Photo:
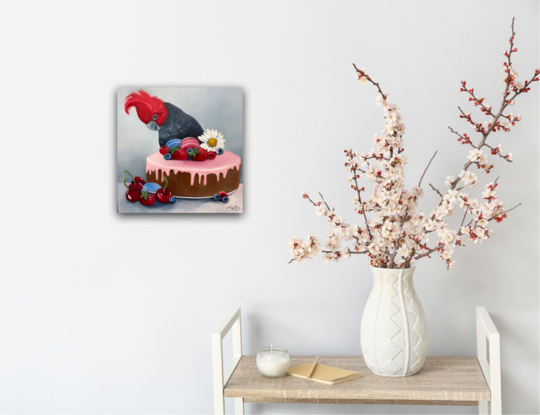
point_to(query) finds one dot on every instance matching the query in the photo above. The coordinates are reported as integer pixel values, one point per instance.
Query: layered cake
(188, 178)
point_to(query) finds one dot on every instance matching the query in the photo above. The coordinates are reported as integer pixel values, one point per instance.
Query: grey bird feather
(178, 125)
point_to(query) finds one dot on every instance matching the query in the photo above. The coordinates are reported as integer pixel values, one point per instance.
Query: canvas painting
(180, 150)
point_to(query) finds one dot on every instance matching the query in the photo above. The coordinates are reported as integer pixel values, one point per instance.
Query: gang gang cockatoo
(169, 120)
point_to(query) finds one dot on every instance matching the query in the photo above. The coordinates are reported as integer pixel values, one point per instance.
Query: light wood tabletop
(442, 381)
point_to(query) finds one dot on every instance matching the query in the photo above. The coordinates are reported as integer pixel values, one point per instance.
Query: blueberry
(220, 151)
(225, 199)
(172, 199)
(167, 156)
(217, 196)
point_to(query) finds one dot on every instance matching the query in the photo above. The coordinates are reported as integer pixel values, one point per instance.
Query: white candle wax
(273, 363)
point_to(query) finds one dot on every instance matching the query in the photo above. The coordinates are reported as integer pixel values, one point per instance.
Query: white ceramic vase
(394, 336)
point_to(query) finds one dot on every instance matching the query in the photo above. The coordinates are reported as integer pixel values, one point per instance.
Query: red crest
(147, 106)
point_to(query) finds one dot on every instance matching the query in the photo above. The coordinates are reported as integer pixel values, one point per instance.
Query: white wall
(102, 313)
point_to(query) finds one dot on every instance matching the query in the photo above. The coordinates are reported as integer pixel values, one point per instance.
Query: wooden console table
(444, 380)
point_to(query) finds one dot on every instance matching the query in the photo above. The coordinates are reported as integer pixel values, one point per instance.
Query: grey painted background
(215, 108)
(104, 313)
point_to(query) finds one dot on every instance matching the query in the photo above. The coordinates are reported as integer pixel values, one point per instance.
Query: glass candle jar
(273, 362)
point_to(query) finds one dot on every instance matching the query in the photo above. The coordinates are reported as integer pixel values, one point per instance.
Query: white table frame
(232, 320)
(486, 332)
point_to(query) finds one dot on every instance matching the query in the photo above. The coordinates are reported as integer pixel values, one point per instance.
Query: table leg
(239, 406)
(483, 407)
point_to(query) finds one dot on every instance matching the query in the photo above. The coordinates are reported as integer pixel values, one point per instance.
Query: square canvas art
(179, 150)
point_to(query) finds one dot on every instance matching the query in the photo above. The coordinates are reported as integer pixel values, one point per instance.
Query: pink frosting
(221, 164)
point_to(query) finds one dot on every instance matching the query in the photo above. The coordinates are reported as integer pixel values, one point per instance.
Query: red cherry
(211, 155)
(163, 195)
(132, 195)
(222, 194)
(136, 187)
(135, 179)
(164, 150)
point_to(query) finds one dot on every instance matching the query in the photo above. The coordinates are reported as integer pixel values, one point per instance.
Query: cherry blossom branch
(306, 196)
(505, 102)
(350, 252)
(420, 182)
(497, 151)
(337, 253)
(503, 213)
(326, 204)
(362, 74)
(396, 235)
(464, 216)
(477, 101)
(430, 251)
(477, 127)
(358, 191)
(464, 139)
(439, 193)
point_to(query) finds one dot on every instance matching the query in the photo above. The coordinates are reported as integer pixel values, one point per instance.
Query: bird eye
(155, 117)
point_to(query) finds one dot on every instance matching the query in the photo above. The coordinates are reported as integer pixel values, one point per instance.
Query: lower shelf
(443, 380)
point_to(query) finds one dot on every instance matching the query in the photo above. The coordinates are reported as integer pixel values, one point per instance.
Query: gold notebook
(324, 374)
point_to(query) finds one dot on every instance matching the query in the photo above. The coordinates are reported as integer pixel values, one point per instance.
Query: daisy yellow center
(212, 142)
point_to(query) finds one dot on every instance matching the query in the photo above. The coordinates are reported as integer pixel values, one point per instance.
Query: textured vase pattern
(394, 336)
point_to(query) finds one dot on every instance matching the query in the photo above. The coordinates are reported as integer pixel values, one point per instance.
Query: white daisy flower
(212, 140)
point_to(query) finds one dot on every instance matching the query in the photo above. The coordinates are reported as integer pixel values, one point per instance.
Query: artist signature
(234, 208)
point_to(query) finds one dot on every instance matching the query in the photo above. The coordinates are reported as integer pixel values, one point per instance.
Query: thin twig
(460, 233)
(440, 194)
(353, 164)
(503, 213)
(504, 104)
(440, 246)
(463, 221)
(362, 73)
(420, 182)
(328, 207)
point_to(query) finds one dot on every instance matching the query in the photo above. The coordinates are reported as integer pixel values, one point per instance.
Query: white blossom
(396, 232)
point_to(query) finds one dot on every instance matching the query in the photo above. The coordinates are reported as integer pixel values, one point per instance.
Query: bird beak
(153, 126)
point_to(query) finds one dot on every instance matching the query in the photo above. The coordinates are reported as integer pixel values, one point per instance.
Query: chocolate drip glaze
(180, 183)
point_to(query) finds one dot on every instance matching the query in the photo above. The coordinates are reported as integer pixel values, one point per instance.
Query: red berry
(134, 192)
(211, 155)
(132, 195)
(222, 194)
(135, 179)
(164, 150)
(135, 186)
(163, 196)
(180, 155)
(147, 199)
(201, 155)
